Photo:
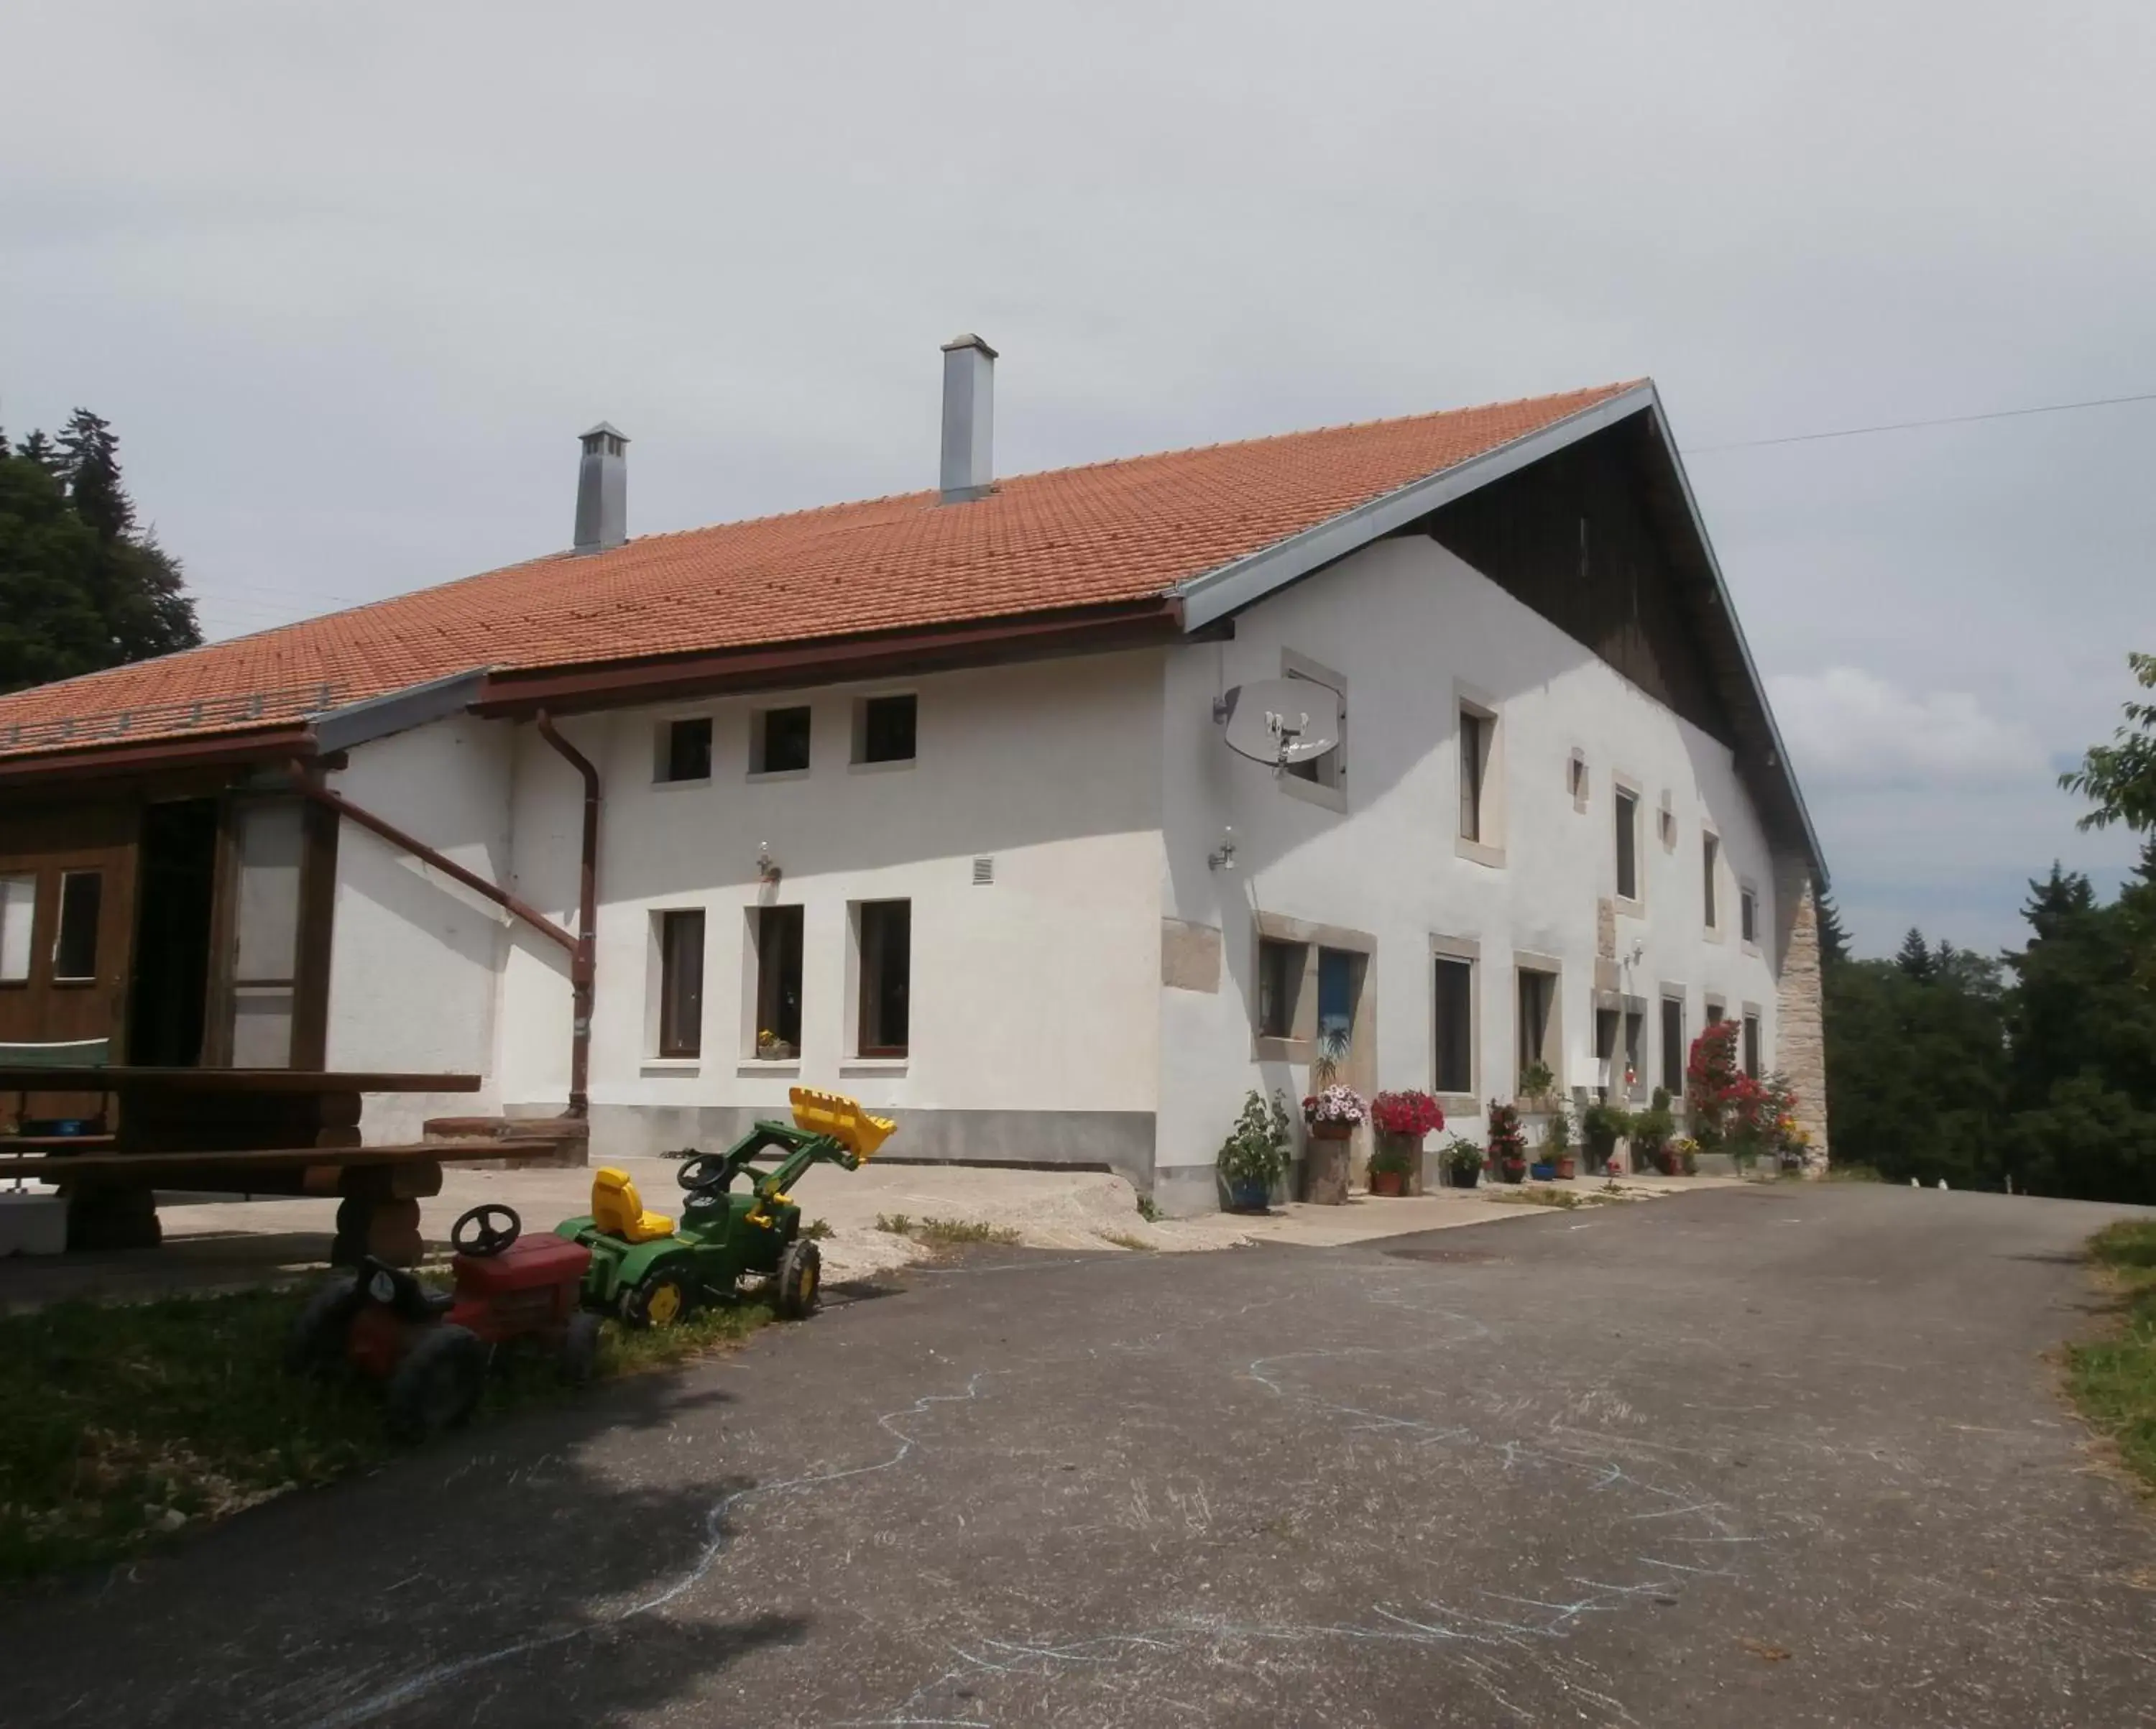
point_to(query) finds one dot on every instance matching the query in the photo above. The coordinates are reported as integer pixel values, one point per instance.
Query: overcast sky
(349, 280)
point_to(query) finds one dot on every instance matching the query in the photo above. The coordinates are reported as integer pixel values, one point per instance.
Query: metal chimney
(969, 419)
(603, 489)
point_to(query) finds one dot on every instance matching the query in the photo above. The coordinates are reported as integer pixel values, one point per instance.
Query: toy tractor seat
(617, 1210)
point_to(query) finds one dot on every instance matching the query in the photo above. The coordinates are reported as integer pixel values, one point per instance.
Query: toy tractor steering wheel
(486, 1231)
(702, 1171)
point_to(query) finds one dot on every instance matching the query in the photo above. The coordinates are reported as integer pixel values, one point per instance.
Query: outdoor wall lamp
(1223, 857)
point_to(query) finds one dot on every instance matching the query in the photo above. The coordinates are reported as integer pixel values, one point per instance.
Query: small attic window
(684, 750)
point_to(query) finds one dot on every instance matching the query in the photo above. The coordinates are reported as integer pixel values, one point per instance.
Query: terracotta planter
(1565, 1167)
(1332, 1131)
(1388, 1182)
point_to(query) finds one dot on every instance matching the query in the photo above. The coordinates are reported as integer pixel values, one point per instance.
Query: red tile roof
(1114, 531)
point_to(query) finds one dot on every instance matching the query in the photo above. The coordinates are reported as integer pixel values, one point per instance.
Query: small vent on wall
(984, 872)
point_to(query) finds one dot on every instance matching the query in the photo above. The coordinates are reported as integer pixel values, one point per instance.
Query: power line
(1856, 432)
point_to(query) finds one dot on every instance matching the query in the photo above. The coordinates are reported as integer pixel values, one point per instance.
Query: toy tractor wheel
(800, 1281)
(438, 1385)
(316, 1345)
(664, 1299)
(580, 1348)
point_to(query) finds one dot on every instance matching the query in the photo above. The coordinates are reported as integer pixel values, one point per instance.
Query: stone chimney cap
(967, 339)
(606, 427)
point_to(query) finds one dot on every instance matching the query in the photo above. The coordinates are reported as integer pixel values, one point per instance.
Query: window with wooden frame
(680, 938)
(884, 931)
(684, 750)
(18, 913)
(74, 942)
(777, 953)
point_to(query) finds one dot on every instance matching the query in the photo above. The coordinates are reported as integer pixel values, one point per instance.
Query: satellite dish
(1280, 721)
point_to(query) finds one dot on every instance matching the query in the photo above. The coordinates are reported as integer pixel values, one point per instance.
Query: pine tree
(1833, 937)
(89, 469)
(1914, 956)
(40, 449)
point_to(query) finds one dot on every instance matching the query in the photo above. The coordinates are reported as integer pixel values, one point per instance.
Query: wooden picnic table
(244, 1131)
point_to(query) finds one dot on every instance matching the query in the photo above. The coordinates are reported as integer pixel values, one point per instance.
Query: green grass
(1536, 1197)
(1852, 1174)
(946, 1233)
(122, 1425)
(2113, 1380)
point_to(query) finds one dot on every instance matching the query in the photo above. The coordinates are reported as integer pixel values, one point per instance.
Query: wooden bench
(380, 1188)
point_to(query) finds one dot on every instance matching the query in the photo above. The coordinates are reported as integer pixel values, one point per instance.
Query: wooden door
(67, 919)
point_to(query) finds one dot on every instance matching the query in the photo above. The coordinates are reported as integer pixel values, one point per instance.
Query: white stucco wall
(1037, 994)
(415, 957)
(1407, 623)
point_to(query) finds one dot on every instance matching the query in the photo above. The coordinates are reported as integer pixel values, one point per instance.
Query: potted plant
(1601, 1128)
(1462, 1160)
(1334, 1114)
(1652, 1130)
(1508, 1142)
(1403, 1120)
(1253, 1157)
(1536, 1084)
(1389, 1165)
(1556, 1149)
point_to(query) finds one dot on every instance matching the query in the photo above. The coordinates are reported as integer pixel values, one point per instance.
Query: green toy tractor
(652, 1272)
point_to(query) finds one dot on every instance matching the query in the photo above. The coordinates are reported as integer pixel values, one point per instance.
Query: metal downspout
(583, 959)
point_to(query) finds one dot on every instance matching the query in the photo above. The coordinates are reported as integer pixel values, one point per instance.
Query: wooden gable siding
(1577, 538)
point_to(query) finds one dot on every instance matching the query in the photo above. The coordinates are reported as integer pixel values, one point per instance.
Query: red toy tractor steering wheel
(477, 1233)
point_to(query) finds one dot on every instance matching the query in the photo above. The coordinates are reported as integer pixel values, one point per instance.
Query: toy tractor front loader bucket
(841, 1119)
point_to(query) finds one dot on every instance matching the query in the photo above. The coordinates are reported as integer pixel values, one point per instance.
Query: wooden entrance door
(67, 905)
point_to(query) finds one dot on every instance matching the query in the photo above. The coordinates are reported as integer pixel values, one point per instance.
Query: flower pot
(1388, 1182)
(1511, 1170)
(1566, 1170)
(1541, 1172)
(1462, 1177)
(1247, 1195)
(1331, 1131)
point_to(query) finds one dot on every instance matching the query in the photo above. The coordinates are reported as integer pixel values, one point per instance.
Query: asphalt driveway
(1760, 1457)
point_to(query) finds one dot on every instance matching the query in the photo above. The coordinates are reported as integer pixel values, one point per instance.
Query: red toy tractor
(433, 1348)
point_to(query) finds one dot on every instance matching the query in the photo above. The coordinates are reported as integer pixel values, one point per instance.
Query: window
(1280, 983)
(1537, 1008)
(1710, 858)
(1628, 845)
(1575, 780)
(1673, 1046)
(779, 741)
(271, 844)
(1751, 1044)
(1628, 1079)
(1667, 825)
(885, 929)
(680, 984)
(883, 729)
(18, 908)
(1715, 1011)
(75, 947)
(777, 982)
(1474, 733)
(1339, 985)
(1605, 1052)
(1331, 769)
(1453, 1020)
(684, 750)
(1747, 915)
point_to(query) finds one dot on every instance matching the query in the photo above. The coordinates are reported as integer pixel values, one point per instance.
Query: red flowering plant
(1508, 1141)
(1411, 1113)
(1710, 1078)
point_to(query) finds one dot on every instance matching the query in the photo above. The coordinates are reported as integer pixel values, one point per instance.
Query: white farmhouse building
(926, 799)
